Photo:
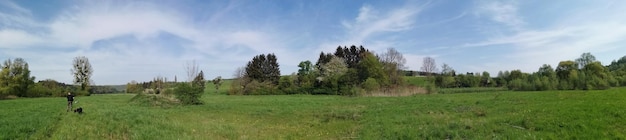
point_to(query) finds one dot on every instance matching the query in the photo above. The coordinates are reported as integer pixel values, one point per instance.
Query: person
(70, 101)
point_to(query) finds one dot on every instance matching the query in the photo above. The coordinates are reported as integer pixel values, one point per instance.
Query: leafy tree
(287, 85)
(547, 71)
(597, 76)
(199, 81)
(548, 77)
(446, 78)
(82, 72)
(334, 68)
(328, 82)
(188, 94)
(370, 67)
(515, 74)
(15, 78)
(585, 58)
(486, 80)
(306, 76)
(393, 62)
(305, 68)
(217, 81)
(618, 70)
(568, 75)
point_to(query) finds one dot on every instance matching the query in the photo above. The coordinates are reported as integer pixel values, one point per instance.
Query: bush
(371, 85)
(188, 95)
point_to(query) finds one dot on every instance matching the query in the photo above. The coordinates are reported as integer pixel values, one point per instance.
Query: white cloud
(502, 12)
(88, 30)
(370, 22)
(12, 38)
(530, 48)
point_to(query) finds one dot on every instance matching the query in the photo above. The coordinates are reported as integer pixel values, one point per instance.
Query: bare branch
(192, 70)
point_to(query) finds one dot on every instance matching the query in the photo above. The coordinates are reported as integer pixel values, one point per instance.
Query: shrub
(187, 94)
(371, 85)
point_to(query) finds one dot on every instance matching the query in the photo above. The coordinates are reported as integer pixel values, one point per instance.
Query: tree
(239, 82)
(15, 78)
(429, 65)
(486, 80)
(192, 69)
(394, 58)
(585, 58)
(217, 81)
(334, 68)
(447, 70)
(331, 73)
(352, 55)
(548, 77)
(597, 76)
(393, 62)
(82, 72)
(370, 67)
(567, 73)
(306, 76)
(199, 81)
(305, 68)
(323, 59)
(190, 93)
(263, 69)
(547, 71)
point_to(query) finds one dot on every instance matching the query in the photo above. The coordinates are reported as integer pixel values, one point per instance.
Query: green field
(493, 115)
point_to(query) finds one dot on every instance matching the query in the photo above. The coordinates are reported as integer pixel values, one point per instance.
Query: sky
(140, 40)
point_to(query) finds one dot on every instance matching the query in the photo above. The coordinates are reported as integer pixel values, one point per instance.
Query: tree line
(16, 81)
(348, 71)
(584, 73)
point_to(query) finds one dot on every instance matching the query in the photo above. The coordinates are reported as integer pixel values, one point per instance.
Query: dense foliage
(585, 73)
(347, 71)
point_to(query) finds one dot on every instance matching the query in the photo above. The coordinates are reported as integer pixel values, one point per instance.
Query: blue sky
(139, 40)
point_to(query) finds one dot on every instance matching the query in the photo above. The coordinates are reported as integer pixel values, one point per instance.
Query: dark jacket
(70, 97)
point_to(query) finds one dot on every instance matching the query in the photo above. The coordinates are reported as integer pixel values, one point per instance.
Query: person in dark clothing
(70, 101)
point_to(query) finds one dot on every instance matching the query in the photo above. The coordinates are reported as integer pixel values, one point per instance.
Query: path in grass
(502, 114)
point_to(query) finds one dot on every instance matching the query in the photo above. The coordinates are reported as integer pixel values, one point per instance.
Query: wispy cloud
(372, 21)
(530, 48)
(91, 29)
(505, 12)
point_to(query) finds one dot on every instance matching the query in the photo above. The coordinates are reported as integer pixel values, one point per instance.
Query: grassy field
(493, 115)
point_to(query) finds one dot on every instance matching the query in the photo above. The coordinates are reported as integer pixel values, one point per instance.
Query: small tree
(217, 82)
(190, 93)
(393, 63)
(82, 72)
(192, 70)
(199, 81)
(429, 66)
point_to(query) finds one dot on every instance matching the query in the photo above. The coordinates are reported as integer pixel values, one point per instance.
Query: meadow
(483, 115)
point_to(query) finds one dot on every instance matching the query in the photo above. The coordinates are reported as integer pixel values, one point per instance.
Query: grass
(485, 115)
(471, 90)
